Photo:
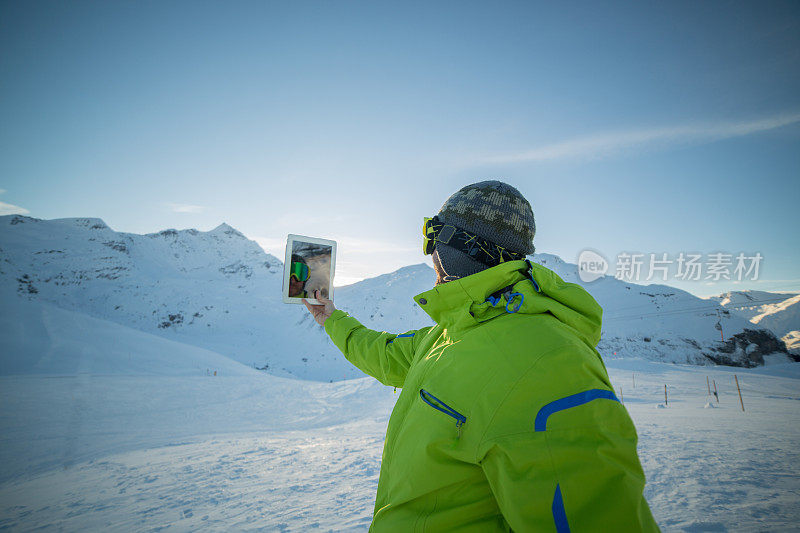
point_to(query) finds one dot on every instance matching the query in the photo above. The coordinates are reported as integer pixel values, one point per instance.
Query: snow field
(223, 453)
(717, 468)
(257, 452)
(288, 482)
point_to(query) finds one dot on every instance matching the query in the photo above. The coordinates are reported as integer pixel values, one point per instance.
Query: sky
(639, 128)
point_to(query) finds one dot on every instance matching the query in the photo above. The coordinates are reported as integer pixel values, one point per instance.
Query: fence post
(740, 391)
(666, 402)
(709, 386)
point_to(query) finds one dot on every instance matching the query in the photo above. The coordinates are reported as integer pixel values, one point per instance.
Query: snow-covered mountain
(385, 302)
(777, 311)
(663, 323)
(750, 303)
(220, 291)
(215, 290)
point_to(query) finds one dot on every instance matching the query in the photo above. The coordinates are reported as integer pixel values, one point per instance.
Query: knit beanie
(492, 210)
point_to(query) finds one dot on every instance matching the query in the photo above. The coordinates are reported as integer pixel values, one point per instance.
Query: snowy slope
(777, 311)
(784, 320)
(40, 338)
(385, 302)
(750, 303)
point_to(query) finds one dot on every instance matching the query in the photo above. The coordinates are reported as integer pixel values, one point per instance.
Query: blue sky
(640, 127)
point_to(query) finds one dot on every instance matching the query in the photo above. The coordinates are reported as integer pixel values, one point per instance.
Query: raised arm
(384, 356)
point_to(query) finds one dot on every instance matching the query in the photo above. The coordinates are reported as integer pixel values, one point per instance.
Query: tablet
(309, 266)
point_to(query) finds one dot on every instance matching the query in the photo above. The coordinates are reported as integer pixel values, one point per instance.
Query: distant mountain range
(215, 290)
(220, 292)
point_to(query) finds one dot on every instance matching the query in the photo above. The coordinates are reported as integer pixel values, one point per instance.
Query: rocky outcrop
(748, 348)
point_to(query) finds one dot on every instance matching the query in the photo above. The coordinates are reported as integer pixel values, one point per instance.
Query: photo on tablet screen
(309, 266)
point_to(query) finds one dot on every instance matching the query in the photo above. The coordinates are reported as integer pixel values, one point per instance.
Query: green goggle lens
(299, 271)
(428, 243)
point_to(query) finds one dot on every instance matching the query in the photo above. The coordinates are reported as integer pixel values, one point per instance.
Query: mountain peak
(13, 220)
(226, 229)
(419, 267)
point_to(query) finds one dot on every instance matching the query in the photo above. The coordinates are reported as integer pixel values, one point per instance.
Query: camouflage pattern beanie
(492, 210)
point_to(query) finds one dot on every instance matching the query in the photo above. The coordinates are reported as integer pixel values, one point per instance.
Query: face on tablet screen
(310, 270)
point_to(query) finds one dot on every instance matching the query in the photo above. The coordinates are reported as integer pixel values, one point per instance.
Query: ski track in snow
(145, 453)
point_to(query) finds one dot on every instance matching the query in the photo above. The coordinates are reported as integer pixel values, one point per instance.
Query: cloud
(9, 209)
(186, 208)
(2, 191)
(610, 143)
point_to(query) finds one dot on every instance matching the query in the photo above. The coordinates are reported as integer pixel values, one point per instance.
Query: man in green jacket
(507, 420)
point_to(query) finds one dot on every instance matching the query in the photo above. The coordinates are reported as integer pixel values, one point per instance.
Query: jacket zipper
(439, 405)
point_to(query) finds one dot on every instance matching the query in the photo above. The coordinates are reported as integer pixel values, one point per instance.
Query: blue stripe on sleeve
(399, 336)
(540, 423)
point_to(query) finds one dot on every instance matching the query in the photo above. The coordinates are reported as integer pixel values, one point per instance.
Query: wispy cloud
(186, 208)
(9, 209)
(609, 143)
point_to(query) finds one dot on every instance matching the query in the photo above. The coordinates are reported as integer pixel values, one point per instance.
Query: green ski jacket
(507, 419)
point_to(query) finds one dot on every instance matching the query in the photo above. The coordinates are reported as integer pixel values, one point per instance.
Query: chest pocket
(439, 405)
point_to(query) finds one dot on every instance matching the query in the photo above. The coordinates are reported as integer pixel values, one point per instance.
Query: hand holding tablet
(320, 312)
(309, 267)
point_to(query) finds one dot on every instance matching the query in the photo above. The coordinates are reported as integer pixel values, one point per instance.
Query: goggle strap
(481, 250)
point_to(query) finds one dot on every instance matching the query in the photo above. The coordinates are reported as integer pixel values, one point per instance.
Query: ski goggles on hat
(434, 231)
(299, 271)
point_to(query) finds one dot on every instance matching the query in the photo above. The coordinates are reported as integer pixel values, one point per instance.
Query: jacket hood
(534, 289)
